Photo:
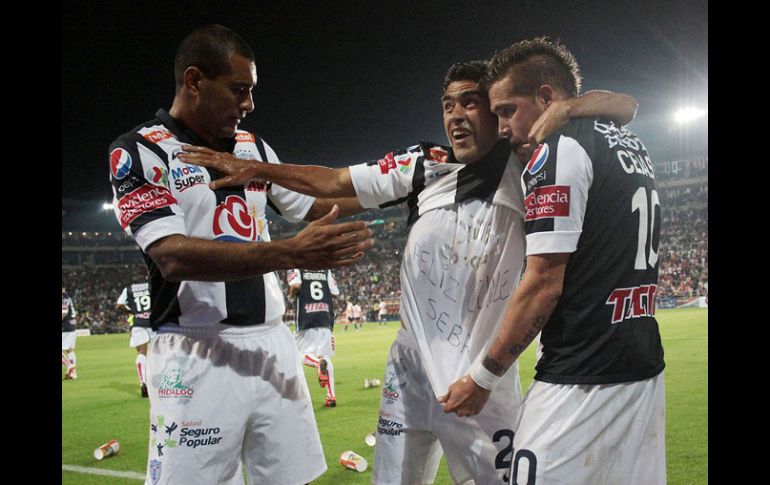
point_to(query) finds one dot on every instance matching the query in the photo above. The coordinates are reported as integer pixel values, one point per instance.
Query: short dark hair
(536, 62)
(465, 71)
(209, 49)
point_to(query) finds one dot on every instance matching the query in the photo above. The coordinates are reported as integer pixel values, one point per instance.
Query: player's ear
(545, 95)
(192, 78)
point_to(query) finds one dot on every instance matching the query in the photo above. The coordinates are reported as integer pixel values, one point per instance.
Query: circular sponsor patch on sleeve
(120, 163)
(538, 159)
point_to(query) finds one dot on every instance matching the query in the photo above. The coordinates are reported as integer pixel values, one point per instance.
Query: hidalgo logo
(538, 159)
(233, 222)
(171, 385)
(120, 163)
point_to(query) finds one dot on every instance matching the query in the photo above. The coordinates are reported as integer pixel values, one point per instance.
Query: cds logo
(157, 175)
(538, 159)
(404, 164)
(120, 163)
(232, 221)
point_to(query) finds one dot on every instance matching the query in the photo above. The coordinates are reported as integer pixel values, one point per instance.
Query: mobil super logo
(538, 159)
(120, 163)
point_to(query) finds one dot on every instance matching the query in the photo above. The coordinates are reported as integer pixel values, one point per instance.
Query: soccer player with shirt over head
(463, 256)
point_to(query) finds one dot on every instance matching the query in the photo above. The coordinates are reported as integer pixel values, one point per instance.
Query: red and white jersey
(157, 195)
(464, 252)
(348, 313)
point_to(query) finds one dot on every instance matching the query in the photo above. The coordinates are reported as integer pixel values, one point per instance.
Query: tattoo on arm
(537, 325)
(494, 366)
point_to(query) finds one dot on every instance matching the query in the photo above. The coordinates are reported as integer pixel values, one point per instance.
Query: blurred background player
(382, 313)
(358, 322)
(315, 323)
(68, 336)
(347, 315)
(135, 299)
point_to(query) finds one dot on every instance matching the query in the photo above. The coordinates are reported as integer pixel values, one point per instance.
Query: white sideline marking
(99, 471)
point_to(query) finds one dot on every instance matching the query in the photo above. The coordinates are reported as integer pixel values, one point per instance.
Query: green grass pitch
(104, 402)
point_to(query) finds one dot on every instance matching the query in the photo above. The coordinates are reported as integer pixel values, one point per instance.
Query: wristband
(484, 378)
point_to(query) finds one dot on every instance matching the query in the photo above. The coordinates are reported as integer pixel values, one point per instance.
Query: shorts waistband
(221, 330)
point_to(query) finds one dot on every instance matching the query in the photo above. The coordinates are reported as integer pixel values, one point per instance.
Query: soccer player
(463, 257)
(382, 313)
(68, 337)
(135, 300)
(315, 323)
(358, 323)
(348, 314)
(595, 412)
(224, 377)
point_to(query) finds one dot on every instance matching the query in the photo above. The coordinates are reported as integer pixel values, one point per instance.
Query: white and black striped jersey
(590, 191)
(464, 251)
(156, 195)
(314, 302)
(137, 298)
(68, 309)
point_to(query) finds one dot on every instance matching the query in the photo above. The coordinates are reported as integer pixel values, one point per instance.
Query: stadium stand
(98, 258)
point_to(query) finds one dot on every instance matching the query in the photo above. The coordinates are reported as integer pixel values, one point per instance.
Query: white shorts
(220, 395)
(315, 341)
(140, 335)
(68, 340)
(599, 434)
(413, 429)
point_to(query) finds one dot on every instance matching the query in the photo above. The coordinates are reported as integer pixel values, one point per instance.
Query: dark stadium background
(346, 82)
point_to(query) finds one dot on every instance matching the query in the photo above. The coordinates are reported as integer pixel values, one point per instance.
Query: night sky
(346, 82)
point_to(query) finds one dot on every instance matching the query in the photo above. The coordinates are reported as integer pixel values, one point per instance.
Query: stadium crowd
(682, 256)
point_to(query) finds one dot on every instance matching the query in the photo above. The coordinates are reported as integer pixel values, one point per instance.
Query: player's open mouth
(459, 134)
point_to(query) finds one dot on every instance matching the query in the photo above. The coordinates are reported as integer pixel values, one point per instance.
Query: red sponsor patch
(158, 136)
(388, 163)
(245, 137)
(437, 154)
(146, 198)
(548, 201)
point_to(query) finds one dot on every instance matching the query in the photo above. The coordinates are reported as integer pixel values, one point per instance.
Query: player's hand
(324, 244)
(553, 118)
(464, 397)
(237, 171)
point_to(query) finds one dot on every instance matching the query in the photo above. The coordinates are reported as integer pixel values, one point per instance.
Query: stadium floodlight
(687, 115)
(106, 206)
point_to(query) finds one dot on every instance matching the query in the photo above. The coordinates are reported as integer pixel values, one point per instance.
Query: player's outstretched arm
(525, 316)
(617, 107)
(312, 180)
(322, 244)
